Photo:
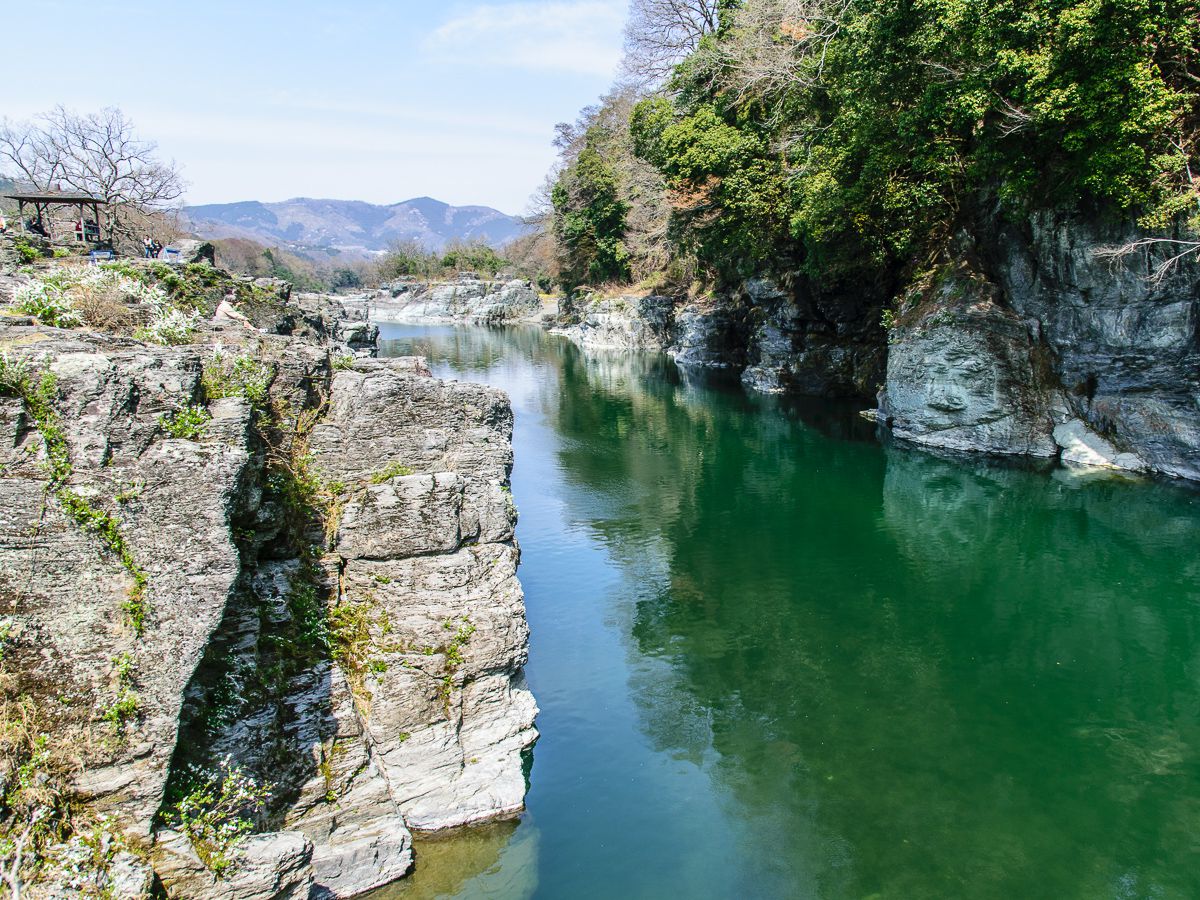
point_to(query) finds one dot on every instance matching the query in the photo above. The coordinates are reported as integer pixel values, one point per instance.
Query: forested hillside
(850, 138)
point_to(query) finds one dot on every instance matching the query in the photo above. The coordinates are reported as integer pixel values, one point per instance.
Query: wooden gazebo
(43, 201)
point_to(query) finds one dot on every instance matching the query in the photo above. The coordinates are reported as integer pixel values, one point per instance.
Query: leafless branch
(94, 153)
(1172, 252)
(779, 45)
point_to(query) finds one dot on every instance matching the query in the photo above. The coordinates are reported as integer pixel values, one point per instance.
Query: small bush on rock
(226, 375)
(189, 423)
(216, 814)
(169, 327)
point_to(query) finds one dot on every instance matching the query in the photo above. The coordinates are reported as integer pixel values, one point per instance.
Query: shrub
(27, 251)
(169, 327)
(392, 470)
(215, 813)
(125, 705)
(237, 376)
(189, 423)
(50, 306)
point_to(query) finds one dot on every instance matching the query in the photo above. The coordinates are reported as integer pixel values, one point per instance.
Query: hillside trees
(843, 136)
(609, 209)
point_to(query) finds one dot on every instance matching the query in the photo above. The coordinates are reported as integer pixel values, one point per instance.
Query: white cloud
(582, 37)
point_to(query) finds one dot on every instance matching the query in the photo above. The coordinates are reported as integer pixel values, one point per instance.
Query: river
(777, 656)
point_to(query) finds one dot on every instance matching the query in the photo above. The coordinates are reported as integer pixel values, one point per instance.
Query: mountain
(352, 226)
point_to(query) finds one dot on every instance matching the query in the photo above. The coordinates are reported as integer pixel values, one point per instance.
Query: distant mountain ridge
(353, 226)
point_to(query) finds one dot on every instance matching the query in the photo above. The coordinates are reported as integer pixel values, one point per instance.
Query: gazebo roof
(54, 197)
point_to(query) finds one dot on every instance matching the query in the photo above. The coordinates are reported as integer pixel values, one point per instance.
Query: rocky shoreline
(1025, 339)
(258, 559)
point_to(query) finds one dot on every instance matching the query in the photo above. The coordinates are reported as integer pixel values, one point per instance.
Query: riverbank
(255, 580)
(1024, 339)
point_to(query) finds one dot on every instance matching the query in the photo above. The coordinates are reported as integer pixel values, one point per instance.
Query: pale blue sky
(362, 100)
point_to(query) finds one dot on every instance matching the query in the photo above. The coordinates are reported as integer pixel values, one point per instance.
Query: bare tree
(779, 45)
(95, 153)
(660, 33)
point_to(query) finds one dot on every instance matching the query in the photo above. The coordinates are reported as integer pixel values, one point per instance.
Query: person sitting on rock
(227, 311)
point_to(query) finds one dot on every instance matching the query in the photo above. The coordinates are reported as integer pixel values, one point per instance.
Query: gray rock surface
(644, 323)
(194, 251)
(1038, 344)
(1083, 447)
(433, 554)
(468, 299)
(964, 373)
(375, 689)
(265, 867)
(1126, 346)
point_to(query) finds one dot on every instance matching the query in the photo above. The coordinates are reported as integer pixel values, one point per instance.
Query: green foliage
(343, 363)
(394, 469)
(189, 423)
(345, 278)
(452, 652)
(473, 257)
(731, 191)
(49, 305)
(61, 253)
(216, 813)
(125, 705)
(169, 327)
(409, 259)
(357, 643)
(868, 150)
(589, 222)
(242, 375)
(26, 250)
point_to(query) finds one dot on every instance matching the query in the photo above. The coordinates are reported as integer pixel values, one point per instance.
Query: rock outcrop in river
(467, 299)
(252, 581)
(1031, 341)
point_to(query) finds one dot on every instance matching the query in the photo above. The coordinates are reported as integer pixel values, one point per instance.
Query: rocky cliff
(780, 338)
(253, 582)
(1027, 338)
(1031, 339)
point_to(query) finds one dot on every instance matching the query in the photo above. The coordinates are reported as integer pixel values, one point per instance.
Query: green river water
(777, 656)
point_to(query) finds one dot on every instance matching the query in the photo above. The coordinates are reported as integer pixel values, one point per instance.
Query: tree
(95, 153)
(661, 33)
(589, 222)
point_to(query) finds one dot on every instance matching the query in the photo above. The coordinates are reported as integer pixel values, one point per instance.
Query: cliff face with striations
(468, 299)
(1032, 342)
(1027, 339)
(292, 611)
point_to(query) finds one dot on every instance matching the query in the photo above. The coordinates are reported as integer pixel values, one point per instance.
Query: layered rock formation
(1033, 341)
(311, 587)
(469, 299)
(779, 339)
(1028, 339)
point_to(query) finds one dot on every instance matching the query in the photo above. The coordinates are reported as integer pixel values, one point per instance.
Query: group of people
(151, 248)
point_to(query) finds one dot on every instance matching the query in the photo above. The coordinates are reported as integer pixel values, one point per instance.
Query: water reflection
(484, 861)
(777, 658)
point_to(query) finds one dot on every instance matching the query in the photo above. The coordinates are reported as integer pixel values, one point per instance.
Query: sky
(357, 100)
